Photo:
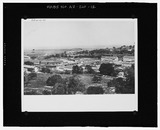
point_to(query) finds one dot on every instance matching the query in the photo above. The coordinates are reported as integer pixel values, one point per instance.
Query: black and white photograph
(80, 64)
(79, 57)
(85, 56)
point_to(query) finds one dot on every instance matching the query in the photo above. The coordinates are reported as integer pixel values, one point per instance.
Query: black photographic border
(146, 13)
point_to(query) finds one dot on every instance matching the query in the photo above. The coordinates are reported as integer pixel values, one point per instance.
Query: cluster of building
(125, 61)
(61, 64)
(66, 64)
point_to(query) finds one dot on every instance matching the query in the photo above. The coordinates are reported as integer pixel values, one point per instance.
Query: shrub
(30, 92)
(51, 81)
(123, 86)
(89, 69)
(59, 88)
(28, 63)
(75, 85)
(96, 79)
(67, 72)
(95, 90)
(33, 57)
(46, 92)
(46, 70)
(110, 90)
(32, 76)
(77, 70)
(106, 69)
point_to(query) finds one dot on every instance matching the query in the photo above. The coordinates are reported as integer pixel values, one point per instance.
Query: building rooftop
(131, 57)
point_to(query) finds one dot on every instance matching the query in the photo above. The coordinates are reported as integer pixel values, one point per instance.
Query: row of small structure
(63, 64)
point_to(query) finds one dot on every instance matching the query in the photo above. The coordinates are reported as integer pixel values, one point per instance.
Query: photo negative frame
(146, 113)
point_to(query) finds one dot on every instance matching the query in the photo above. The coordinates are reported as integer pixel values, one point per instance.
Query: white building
(109, 59)
(36, 62)
(96, 68)
(27, 58)
(128, 59)
(60, 68)
(120, 75)
(118, 62)
(29, 68)
(69, 67)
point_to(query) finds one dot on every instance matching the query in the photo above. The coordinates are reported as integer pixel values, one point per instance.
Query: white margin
(63, 103)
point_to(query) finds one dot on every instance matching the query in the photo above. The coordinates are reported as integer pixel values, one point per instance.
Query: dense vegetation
(28, 63)
(124, 85)
(76, 84)
(77, 69)
(106, 69)
(97, 53)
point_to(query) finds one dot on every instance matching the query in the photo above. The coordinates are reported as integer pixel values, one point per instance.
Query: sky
(77, 33)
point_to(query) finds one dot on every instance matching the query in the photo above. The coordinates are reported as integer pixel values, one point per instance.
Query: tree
(28, 63)
(49, 56)
(32, 76)
(115, 73)
(46, 70)
(33, 57)
(67, 72)
(129, 74)
(77, 70)
(96, 79)
(80, 70)
(89, 69)
(59, 88)
(106, 69)
(51, 81)
(74, 85)
(124, 86)
(57, 55)
(118, 83)
(46, 92)
(95, 90)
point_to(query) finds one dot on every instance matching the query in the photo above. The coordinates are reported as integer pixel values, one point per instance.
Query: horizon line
(98, 47)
